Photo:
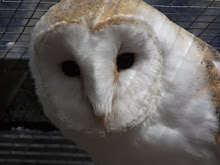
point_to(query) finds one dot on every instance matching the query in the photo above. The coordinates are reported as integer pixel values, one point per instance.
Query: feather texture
(163, 109)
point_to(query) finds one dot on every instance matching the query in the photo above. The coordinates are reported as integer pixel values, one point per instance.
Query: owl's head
(96, 64)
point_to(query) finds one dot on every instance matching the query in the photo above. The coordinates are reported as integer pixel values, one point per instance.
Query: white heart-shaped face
(108, 93)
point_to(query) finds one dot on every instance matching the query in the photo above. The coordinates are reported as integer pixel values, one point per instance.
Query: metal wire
(18, 17)
(26, 147)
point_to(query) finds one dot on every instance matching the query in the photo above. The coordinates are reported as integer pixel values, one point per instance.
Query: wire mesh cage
(18, 17)
(18, 103)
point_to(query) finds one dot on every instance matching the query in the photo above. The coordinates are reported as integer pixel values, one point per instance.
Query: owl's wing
(182, 41)
(211, 61)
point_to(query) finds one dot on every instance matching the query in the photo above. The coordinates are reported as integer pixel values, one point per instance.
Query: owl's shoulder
(211, 62)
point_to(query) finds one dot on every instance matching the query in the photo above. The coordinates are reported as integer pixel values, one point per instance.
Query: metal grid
(18, 17)
(27, 147)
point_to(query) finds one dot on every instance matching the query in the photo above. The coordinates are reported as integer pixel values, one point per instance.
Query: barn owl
(127, 84)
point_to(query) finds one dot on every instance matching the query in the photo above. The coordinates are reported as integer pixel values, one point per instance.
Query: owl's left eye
(70, 68)
(125, 61)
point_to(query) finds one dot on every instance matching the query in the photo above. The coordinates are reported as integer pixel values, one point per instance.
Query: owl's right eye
(70, 68)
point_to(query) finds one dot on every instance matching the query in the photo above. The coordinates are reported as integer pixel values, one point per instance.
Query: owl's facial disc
(97, 81)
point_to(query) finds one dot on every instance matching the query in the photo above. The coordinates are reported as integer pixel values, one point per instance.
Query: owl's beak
(98, 87)
(101, 114)
(101, 110)
(100, 101)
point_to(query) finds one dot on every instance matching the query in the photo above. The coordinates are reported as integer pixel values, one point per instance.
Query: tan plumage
(211, 61)
(212, 64)
(95, 14)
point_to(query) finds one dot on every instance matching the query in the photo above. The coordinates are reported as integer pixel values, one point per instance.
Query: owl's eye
(70, 68)
(125, 61)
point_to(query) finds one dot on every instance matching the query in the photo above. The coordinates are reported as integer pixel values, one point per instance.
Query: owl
(126, 84)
